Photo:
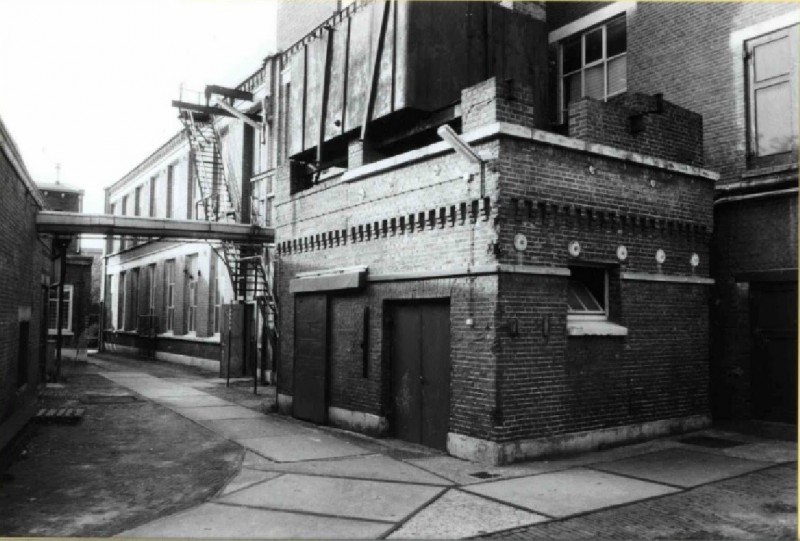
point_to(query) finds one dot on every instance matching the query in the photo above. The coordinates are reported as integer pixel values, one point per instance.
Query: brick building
(549, 294)
(557, 287)
(170, 299)
(25, 269)
(736, 64)
(79, 312)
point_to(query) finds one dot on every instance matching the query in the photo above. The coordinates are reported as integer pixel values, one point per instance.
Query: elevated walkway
(73, 223)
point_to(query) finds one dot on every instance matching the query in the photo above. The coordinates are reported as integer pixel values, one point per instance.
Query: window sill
(595, 328)
(53, 332)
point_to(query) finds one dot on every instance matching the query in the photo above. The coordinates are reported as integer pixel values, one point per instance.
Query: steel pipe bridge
(75, 223)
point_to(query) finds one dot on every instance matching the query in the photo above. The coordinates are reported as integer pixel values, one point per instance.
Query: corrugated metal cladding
(430, 51)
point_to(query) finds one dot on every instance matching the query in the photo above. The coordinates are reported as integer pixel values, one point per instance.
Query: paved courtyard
(300, 481)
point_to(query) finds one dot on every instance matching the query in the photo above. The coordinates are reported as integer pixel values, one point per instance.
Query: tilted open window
(588, 303)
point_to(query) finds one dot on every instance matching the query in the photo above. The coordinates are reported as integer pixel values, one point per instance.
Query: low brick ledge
(520, 132)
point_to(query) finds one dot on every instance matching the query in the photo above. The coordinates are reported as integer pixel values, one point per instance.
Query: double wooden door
(420, 366)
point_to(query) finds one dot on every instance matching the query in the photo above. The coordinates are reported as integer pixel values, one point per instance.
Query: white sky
(88, 83)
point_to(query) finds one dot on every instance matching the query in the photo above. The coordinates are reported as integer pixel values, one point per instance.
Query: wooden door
(310, 400)
(420, 362)
(773, 317)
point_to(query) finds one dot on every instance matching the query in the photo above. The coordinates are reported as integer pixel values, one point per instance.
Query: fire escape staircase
(220, 201)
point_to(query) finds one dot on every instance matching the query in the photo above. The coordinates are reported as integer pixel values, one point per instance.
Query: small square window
(588, 292)
(588, 301)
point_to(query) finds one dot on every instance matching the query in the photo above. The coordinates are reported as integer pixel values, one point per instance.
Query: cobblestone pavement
(759, 505)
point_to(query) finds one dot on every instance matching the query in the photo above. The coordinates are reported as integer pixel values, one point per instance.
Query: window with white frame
(66, 307)
(269, 199)
(217, 314)
(594, 63)
(169, 292)
(170, 187)
(260, 153)
(587, 293)
(772, 84)
(122, 301)
(151, 293)
(133, 321)
(191, 285)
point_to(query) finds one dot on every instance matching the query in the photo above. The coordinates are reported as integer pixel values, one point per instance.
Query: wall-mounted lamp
(459, 145)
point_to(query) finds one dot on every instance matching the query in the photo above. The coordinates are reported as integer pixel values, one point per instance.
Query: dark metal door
(310, 401)
(773, 316)
(421, 372)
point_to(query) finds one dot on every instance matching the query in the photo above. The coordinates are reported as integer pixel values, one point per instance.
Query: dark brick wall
(553, 197)
(632, 122)
(555, 384)
(23, 262)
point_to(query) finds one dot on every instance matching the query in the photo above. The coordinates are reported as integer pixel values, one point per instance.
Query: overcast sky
(88, 83)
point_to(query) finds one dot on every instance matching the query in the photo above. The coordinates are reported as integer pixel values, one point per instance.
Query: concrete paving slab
(682, 467)
(205, 413)
(254, 461)
(772, 451)
(463, 472)
(196, 383)
(239, 429)
(564, 493)
(372, 467)
(224, 521)
(348, 498)
(192, 401)
(158, 392)
(124, 374)
(456, 515)
(301, 447)
(247, 477)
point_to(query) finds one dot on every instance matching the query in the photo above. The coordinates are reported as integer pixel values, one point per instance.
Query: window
(587, 295)
(588, 303)
(191, 286)
(217, 314)
(112, 209)
(123, 241)
(133, 321)
(151, 293)
(170, 182)
(260, 162)
(169, 301)
(772, 84)
(270, 200)
(152, 209)
(137, 201)
(66, 306)
(594, 64)
(122, 304)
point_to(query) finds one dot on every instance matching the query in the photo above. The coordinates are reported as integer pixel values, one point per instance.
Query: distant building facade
(167, 299)
(24, 292)
(79, 312)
